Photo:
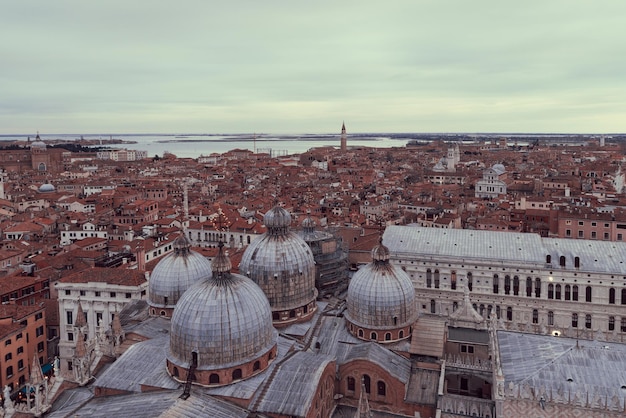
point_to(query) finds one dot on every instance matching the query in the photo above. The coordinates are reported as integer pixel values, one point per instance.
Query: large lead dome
(381, 300)
(173, 275)
(224, 325)
(282, 264)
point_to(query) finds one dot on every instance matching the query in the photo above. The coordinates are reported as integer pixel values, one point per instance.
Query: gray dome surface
(281, 263)
(46, 187)
(378, 292)
(175, 273)
(226, 320)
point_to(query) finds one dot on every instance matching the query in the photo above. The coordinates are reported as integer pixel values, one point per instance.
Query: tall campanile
(344, 145)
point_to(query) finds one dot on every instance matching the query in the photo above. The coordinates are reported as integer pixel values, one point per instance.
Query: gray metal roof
(245, 389)
(509, 247)
(226, 321)
(294, 385)
(142, 364)
(396, 365)
(199, 404)
(564, 365)
(136, 405)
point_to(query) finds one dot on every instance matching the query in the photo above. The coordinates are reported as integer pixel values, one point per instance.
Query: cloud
(303, 66)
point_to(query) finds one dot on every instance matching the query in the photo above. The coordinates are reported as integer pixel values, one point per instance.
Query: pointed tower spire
(80, 322)
(344, 140)
(36, 374)
(363, 409)
(81, 349)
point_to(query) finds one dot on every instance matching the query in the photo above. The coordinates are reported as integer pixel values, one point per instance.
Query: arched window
(577, 262)
(256, 366)
(175, 371)
(550, 318)
(214, 379)
(432, 306)
(568, 292)
(470, 280)
(351, 383)
(509, 313)
(437, 282)
(429, 278)
(562, 261)
(360, 333)
(611, 296)
(575, 292)
(41, 167)
(498, 313)
(535, 316)
(382, 388)
(574, 320)
(623, 296)
(588, 294)
(162, 313)
(453, 280)
(401, 334)
(529, 286)
(507, 285)
(557, 294)
(387, 336)
(537, 287)
(496, 284)
(482, 309)
(548, 259)
(611, 323)
(367, 383)
(550, 291)
(270, 355)
(436, 276)
(237, 374)
(515, 285)
(588, 321)
(455, 306)
(373, 336)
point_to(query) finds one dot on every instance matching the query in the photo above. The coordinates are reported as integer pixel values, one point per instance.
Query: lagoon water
(194, 145)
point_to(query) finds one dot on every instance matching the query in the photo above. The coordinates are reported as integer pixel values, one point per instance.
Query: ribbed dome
(308, 224)
(281, 263)
(226, 320)
(175, 273)
(380, 295)
(277, 220)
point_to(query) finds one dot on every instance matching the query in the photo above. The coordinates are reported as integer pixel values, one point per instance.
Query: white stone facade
(100, 302)
(581, 293)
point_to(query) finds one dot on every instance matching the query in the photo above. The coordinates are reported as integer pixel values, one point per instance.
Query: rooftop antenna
(185, 203)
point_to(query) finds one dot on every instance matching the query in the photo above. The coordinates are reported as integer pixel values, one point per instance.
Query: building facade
(533, 284)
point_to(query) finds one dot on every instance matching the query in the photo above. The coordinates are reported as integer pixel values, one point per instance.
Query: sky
(272, 66)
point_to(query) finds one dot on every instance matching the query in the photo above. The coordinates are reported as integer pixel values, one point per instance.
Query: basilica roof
(176, 272)
(516, 247)
(281, 263)
(381, 295)
(225, 319)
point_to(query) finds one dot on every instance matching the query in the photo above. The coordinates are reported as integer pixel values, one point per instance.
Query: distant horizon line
(468, 133)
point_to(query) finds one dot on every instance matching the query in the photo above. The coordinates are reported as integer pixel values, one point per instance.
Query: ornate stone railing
(468, 362)
(458, 405)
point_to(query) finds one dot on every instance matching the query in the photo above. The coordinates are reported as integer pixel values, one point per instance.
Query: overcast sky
(305, 66)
